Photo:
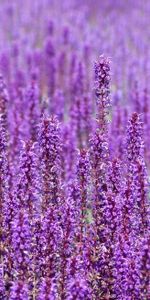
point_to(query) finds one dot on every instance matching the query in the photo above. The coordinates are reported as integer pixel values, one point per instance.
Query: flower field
(74, 150)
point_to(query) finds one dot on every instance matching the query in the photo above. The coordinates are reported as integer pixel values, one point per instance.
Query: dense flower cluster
(74, 150)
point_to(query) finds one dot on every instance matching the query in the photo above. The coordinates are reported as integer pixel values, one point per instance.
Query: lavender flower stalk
(50, 153)
(102, 91)
(51, 202)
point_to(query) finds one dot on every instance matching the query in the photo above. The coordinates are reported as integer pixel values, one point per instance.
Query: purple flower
(32, 115)
(2, 284)
(137, 181)
(143, 259)
(4, 101)
(50, 154)
(21, 245)
(102, 91)
(69, 153)
(19, 291)
(78, 289)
